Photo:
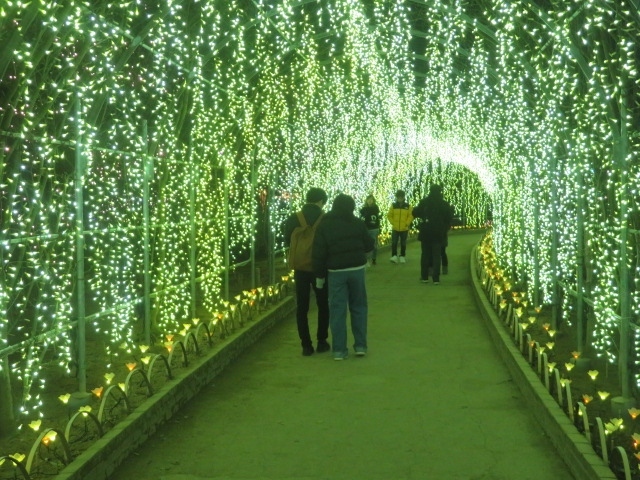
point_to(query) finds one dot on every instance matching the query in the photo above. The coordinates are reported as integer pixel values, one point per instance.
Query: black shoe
(307, 351)
(323, 347)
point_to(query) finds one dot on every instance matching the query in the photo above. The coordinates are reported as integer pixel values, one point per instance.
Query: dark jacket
(436, 215)
(311, 213)
(340, 242)
(371, 216)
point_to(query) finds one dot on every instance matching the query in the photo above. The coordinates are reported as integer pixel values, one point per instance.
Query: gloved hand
(319, 282)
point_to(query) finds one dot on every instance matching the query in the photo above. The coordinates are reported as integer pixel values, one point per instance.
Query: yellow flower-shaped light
(550, 345)
(551, 332)
(131, 365)
(575, 355)
(143, 348)
(519, 311)
(524, 325)
(569, 366)
(633, 413)
(182, 332)
(35, 425)
(108, 377)
(168, 346)
(186, 326)
(565, 381)
(525, 303)
(546, 326)
(195, 321)
(85, 409)
(146, 359)
(586, 398)
(50, 437)
(169, 336)
(541, 350)
(593, 374)
(97, 391)
(551, 366)
(122, 386)
(532, 319)
(538, 309)
(613, 425)
(603, 395)
(19, 456)
(285, 278)
(503, 304)
(65, 398)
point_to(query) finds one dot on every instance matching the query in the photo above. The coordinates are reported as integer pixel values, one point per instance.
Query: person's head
(343, 205)
(400, 195)
(435, 190)
(370, 200)
(317, 196)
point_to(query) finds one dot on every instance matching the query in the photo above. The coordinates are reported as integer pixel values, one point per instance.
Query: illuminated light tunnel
(145, 143)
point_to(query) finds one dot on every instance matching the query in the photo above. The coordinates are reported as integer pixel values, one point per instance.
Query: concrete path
(431, 400)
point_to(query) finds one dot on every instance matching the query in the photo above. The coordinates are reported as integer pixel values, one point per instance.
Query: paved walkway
(431, 400)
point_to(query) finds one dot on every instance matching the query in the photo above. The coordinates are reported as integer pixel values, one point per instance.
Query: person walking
(370, 214)
(400, 216)
(311, 216)
(339, 254)
(436, 215)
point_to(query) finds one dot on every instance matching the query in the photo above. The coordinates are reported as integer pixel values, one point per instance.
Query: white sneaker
(403, 260)
(394, 259)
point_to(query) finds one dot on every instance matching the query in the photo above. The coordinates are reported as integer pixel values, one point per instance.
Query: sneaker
(307, 350)
(403, 260)
(340, 357)
(436, 283)
(394, 259)
(360, 353)
(323, 347)
(424, 280)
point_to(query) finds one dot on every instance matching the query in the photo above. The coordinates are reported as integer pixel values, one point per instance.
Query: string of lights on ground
(143, 142)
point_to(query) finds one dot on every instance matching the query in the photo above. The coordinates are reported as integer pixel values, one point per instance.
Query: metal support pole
(193, 183)
(271, 241)
(254, 194)
(555, 296)
(148, 176)
(225, 243)
(580, 267)
(623, 267)
(79, 197)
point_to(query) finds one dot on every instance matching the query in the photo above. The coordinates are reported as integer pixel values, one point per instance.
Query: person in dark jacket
(436, 215)
(339, 254)
(305, 281)
(370, 214)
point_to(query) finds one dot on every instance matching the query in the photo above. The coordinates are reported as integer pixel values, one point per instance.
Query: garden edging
(572, 446)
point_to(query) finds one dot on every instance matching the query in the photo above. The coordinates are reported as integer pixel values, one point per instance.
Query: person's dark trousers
(399, 237)
(305, 282)
(445, 259)
(430, 260)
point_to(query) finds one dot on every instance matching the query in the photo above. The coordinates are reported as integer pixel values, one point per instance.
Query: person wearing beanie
(436, 215)
(339, 254)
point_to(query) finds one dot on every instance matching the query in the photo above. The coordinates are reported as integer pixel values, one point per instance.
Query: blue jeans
(347, 290)
(373, 233)
(399, 236)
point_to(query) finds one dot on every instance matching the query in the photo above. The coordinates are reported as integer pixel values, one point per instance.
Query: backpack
(301, 244)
